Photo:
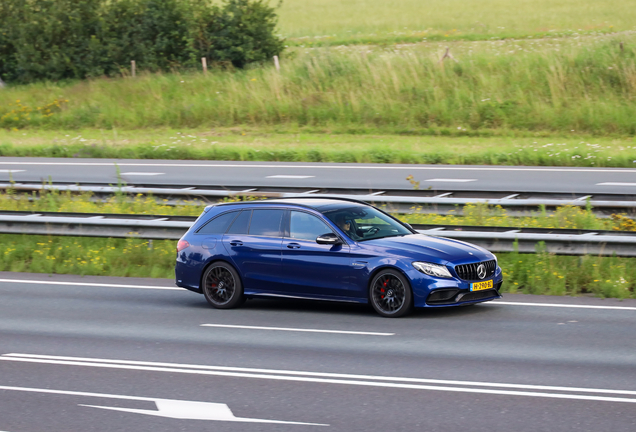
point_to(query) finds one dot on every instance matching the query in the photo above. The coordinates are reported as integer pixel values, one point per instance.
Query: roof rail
(299, 196)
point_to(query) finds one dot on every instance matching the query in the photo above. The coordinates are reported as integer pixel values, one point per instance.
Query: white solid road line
(297, 329)
(142, 173)
(37, 282)
(10, 171)
(320, 374)
(91, 284)
(615, 184)
(171, 408)
(564, 305)
(357, 167)
(451, 180)
(354, 382)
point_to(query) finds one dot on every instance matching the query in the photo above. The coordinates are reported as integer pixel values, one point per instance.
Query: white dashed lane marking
(451, 180)
(297, 329)
(142, 173)
(290, 176)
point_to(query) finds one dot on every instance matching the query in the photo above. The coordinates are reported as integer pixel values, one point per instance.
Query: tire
(222, 286)
(390, 294)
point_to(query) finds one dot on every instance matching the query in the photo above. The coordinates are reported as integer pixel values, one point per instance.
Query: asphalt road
(133, 355)
(314, 175)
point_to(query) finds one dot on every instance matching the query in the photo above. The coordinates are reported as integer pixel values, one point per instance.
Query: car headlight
(432, 269)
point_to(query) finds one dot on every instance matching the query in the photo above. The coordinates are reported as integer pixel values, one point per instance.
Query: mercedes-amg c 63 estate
(329, 249)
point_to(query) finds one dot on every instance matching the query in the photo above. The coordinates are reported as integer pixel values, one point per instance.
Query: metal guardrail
(398, 202)
(496, 239)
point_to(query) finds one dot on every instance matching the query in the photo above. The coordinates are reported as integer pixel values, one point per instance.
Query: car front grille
(469, 271)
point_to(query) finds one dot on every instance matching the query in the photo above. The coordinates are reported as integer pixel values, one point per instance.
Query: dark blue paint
(285, 266)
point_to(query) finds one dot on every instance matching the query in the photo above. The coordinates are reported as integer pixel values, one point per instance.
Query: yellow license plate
(478, 286)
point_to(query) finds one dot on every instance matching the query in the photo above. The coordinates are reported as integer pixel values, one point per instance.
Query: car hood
(428, 248)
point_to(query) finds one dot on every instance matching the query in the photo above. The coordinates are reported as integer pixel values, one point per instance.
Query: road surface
(105, 354)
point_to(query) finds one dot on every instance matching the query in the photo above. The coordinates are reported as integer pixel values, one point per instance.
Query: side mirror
(328, 239)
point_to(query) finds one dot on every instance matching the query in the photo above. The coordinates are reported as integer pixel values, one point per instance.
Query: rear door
(253, 243)
(313, 269)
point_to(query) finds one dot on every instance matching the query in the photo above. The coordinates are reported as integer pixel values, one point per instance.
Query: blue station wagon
(329, 249)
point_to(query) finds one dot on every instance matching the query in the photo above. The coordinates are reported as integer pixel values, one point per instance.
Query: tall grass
(540, 273)
(380, 20)
(510, 86)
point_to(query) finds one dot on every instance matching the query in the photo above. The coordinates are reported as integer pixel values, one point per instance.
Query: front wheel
(390, 294)
(222, 286)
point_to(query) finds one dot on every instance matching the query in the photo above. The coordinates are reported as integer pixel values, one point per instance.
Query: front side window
(266, 222)
(303, 226)
(366, 223)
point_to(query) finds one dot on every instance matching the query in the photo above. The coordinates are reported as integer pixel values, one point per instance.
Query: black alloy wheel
(222, 286)
(390, 294)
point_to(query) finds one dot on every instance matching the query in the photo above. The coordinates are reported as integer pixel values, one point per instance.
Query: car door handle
(293, 246)
(236, 243)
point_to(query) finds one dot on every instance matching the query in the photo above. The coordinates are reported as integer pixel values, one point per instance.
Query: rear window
(219, 224)
(266, 222)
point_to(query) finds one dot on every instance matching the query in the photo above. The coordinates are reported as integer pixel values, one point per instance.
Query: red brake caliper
(382, 290)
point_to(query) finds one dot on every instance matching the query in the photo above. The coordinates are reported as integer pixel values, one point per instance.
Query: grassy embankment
(511, 101)
(334, 22)
(539, 273)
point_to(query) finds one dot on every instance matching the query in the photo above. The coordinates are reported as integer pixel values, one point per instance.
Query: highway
(104, 354)
(376, 177)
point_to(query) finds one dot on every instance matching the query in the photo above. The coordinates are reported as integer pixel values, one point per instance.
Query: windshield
(366, 223)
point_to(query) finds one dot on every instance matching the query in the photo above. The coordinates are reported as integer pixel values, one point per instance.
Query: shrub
(75, 39)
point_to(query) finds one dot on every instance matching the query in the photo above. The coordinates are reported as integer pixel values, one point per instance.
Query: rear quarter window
(219, 224)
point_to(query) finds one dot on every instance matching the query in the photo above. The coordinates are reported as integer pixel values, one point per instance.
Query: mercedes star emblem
(481, 271)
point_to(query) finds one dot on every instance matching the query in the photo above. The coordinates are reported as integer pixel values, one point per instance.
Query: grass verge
(303, 145)
(539, 273)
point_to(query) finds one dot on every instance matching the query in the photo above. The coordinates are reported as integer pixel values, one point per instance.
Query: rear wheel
(222, 286)
(390, 294)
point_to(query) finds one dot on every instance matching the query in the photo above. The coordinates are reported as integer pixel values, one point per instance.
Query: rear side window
(241, 223)
(219, 224)
(267, 223)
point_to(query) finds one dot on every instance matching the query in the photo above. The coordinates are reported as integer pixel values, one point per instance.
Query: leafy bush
(61, 39)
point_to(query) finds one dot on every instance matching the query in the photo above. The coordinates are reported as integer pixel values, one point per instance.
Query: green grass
(539, 273)
(373, 21)
(256, 144)
(497, 89)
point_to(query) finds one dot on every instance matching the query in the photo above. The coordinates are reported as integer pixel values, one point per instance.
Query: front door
(314, 269)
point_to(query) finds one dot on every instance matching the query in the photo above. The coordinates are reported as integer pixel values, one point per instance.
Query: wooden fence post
(276, 63)
(133, 67)
(204, 63)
